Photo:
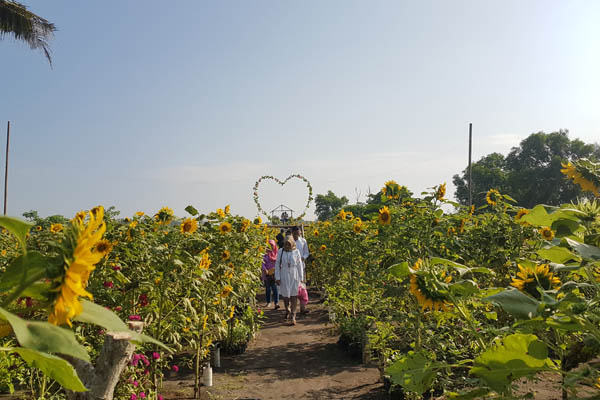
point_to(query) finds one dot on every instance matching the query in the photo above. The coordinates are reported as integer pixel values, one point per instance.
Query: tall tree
(487, 173)
(22, 24)
(530, 173)
(327, 205)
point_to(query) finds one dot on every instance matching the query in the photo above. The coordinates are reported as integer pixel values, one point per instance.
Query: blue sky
(173, 103)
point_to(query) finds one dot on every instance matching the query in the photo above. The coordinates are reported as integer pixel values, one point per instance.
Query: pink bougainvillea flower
(135, 317)
(108, 284)
(160, 397)
(142, 395)
(143, 300)
(155, 355)
(133, 396)
(175, 368)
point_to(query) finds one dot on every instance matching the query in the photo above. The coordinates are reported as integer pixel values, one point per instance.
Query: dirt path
(288, 362)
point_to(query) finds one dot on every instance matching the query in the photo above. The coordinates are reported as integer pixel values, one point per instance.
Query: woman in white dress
(289, 273)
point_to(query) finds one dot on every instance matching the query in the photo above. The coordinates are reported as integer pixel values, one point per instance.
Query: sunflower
(471, 210)
(492, 197)
(5, 329)
(461, 228)
(204, 320)
(139, 213)
(358, 226)
(323, 247)
(80, 216)
(342, 214)
(204, 261)
(391, 190)
(231, 312)
(245, 225)
(226, 291)
(81, 259)
(441, 191)
(257, 221)
(164, 215)
(428, 298)
(578, 177)
(104, 247)
(220, 212)
(227, 209)
(133, 224)
(3, 253)
(189, 225)
(546, 233)
(528, 280)
(225, 255)
(38, 228)
(384, 216)
(521, 213)
(225, 227)
(55, 228)
(316, 233)
(331, 236)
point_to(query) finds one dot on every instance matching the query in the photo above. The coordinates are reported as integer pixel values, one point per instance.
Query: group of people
(283, 272)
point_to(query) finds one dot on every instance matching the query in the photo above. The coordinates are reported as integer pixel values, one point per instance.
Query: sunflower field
(476, 303)
(64, 284)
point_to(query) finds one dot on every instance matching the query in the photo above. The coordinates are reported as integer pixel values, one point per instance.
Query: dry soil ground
(288, 362)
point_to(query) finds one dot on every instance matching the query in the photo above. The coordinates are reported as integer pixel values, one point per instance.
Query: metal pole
(6, 166)
(470, 181)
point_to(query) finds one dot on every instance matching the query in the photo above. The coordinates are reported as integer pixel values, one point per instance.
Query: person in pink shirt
(268, 274)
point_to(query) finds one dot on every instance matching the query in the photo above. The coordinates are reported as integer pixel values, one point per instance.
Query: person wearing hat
(289, 273)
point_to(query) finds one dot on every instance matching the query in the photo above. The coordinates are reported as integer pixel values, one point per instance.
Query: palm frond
(22, 24)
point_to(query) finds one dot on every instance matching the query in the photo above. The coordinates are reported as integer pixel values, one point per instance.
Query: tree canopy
(22, 24)
(327, 205)
(530, 173)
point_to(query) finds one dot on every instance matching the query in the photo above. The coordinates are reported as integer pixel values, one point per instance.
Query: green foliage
(415, 372)
(516, 356)
(530, 173)
(327, 205)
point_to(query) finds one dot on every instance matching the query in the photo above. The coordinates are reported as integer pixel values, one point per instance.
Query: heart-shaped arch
(270, 177)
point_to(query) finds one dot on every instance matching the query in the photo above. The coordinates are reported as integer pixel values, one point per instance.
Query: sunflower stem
(467, 317)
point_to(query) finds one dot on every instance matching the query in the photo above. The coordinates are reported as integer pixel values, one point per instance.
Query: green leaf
(96, 314)
(414, 372)
(53, 367)
(565, 227)
(516, 303)
(507, 197)
(17, 227)
(464, 288)
(473, 394)
(563, 322)
(558, 254)
(542, 215)
(45, 337)
(493, 315)
(191, 210)
(462, 269)
(584, 250)
(517, 356)
(24, 271)
(401, 270)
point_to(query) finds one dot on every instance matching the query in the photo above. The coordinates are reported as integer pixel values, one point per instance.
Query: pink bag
(302, 294)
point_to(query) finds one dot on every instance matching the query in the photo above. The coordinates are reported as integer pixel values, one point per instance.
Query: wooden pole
(6, 165)
(470, 180)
